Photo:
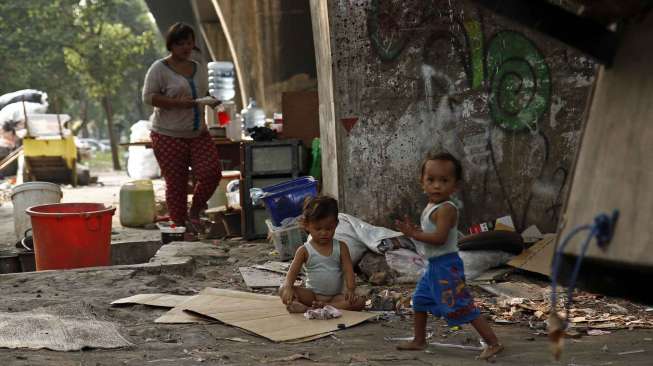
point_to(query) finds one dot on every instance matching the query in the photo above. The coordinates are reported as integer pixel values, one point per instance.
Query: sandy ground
(156, 344)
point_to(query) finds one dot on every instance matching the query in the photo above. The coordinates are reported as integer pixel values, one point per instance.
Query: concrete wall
(409, 78)
(274, 45)
(271, 40)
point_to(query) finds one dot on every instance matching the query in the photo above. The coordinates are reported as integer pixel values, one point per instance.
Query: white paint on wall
(556, 107)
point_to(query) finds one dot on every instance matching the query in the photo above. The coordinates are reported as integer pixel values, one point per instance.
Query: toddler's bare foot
(490, 351)
(296, 307)
(411, 346)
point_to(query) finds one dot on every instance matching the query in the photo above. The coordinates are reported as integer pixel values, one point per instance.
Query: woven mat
(67, 327)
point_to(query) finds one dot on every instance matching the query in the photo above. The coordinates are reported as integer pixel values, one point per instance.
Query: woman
(174, 86)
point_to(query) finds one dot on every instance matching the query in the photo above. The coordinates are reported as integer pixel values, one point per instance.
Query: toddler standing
(441, 290)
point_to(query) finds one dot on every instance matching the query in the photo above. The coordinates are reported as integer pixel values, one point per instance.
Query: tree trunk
(139, 102)
(84, 113)
(106, 103)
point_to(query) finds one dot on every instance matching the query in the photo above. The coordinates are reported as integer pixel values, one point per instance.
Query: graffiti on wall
(519, 81)
(506, 71)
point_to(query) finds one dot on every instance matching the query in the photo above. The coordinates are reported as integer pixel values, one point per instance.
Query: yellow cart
(50, 154)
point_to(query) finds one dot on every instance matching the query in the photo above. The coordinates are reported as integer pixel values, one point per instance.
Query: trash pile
(591, 314)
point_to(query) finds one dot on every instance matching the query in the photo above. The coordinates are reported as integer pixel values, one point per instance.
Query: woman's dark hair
(177, 33)
(444, 156)
(318, 208)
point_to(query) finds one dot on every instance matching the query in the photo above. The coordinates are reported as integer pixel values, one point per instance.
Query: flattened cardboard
(160, 300)
(259, 278)
(177, 315)
(266, 315)
(538, 257)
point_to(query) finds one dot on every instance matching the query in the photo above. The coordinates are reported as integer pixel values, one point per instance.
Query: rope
(602, 229)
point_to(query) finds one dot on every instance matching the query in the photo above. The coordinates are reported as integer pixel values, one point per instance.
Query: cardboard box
(301, 118)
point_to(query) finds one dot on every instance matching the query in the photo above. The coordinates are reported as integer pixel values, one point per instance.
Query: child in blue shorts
(441, 290)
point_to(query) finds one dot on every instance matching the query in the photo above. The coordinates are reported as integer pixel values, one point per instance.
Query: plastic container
(286, 199)
(286, 240)
(171, 233)
(137, 204)
(71, 235)
(31, 194)
(253, 116)
(219, 197)
(221, 80)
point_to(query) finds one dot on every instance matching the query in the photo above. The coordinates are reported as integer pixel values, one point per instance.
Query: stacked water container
(221, 80)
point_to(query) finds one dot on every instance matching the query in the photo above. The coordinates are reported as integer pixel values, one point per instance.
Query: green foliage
(79, 50)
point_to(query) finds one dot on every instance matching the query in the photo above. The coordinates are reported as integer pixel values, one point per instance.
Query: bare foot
(411, 346)
(296, 307)
(490, 351)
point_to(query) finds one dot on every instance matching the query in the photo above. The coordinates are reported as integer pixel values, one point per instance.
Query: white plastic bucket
(31, 194)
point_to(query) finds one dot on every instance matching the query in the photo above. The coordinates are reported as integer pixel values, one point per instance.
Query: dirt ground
(160, 344)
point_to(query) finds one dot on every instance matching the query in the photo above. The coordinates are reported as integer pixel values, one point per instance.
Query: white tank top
(450, 246)
(324, 274)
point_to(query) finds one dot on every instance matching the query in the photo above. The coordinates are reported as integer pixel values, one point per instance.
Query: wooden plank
(613, 168)
(328, 127)
(11, 157)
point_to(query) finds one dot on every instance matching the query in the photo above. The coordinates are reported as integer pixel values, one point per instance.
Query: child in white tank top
(442, 291)
(326, 262)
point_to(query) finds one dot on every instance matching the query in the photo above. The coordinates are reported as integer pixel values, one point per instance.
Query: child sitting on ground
(325, 261)
(441, 290)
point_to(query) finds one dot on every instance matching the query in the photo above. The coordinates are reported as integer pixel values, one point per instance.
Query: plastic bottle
(221, 80)
(253, 116)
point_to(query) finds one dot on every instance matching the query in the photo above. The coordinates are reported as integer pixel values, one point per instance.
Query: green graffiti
(475, 41)
(520, 82)
(391, 24)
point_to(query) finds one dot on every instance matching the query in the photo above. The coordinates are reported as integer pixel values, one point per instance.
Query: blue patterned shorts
(442, 291)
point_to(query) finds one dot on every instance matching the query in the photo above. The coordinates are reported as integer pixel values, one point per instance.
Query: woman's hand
(210, 101)
(186, 102)
(406, 226)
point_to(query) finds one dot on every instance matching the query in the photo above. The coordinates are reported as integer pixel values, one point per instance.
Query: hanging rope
(602, 229)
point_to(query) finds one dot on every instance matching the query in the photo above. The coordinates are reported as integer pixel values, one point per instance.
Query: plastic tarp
(361, 236)
(27, 95)
(15, 112)
(142, 163)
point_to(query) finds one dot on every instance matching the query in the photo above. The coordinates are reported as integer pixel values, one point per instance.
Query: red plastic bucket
(71, 235)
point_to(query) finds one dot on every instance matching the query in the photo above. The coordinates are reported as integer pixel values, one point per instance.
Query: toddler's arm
(444, 218)
(288, 291)
(348, 271)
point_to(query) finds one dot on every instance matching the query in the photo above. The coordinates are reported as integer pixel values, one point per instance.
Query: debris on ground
(520, 302)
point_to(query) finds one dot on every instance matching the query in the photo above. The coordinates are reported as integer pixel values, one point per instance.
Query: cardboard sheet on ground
(538, 257)
(272, 266)
(160, 300)
(177, 315)
(68, 327)
(259, 278)
(266, 316)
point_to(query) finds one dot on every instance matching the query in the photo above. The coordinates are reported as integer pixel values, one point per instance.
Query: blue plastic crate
(286, 199)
